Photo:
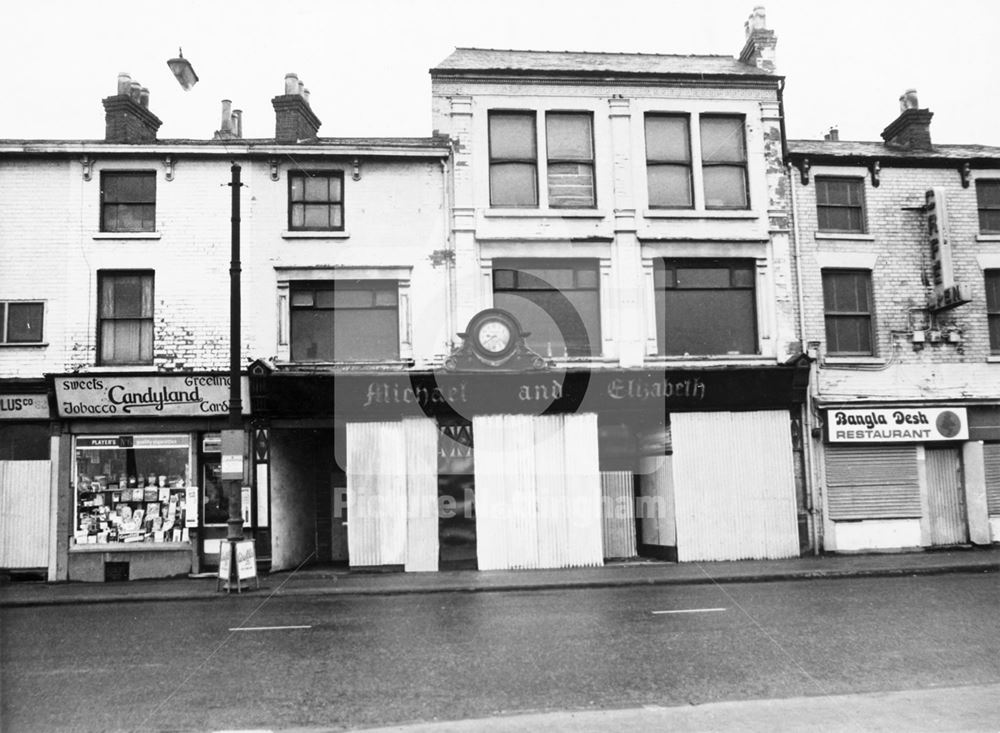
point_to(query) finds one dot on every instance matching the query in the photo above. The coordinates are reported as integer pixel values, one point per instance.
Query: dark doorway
(456, 497)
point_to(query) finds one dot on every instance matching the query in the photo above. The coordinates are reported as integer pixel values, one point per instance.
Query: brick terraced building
(898, 246)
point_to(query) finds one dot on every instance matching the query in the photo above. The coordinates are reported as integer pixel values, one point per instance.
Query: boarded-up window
(872, 483)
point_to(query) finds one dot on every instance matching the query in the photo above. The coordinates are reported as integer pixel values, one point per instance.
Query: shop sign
(24, 407)
(174, 395)
(542, 392)
(246, 560)
(897, 425)
(947, 293)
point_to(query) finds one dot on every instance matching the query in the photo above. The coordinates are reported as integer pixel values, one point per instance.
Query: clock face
(494, 336)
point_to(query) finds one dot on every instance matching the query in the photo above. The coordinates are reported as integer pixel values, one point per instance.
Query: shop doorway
(214, 503)
(946, 497)
(456, 497)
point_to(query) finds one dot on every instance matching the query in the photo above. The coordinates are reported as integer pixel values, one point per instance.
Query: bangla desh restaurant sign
(897, 425)
(172, 395)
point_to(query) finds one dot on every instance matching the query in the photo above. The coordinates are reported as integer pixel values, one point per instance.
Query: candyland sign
(173, 395)
(897, 425)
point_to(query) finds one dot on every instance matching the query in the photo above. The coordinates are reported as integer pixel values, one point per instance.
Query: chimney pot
(124, 83)
(908, 100)
(144, 97)
(757, 21)
(305, 95)
(238, 122)
(301, 89)
(133, 91)
(291, 83)
(227, 116)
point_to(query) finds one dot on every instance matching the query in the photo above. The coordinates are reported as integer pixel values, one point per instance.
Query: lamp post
(232, 437)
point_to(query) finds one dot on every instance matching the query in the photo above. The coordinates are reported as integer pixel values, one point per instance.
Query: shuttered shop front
(872, 482)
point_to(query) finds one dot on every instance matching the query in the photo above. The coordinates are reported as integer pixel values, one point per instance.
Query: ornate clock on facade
(494, 339)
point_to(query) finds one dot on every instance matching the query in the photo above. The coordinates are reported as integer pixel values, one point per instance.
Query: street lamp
(181, 68)
(232, 436)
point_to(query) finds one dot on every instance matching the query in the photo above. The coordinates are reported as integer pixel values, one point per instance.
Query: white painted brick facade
(52, 250)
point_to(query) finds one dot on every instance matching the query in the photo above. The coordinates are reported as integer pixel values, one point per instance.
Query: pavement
(329, 581)
(969, 708)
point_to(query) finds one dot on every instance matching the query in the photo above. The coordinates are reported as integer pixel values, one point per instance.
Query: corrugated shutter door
(734, 485)
(421, 494)
(867, 482)
(991, 457)
(24, 514)
(376, 494)
(619, 514)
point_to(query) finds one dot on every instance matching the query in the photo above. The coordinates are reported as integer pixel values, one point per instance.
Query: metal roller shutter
(864, 482)
(991, 457)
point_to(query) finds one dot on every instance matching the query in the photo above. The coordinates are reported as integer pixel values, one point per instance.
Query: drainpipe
(807, 422)
(449, 263)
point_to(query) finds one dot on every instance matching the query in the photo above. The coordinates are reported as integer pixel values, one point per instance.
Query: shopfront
(25, 476)
(536, 469)
(140, 479)
(906, 476)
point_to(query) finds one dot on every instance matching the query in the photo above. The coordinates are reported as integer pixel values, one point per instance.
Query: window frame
(303, 175)
(530, 266)
(861, 207)
(502, 161)
(372, 286)
(742, 164)
(688, 164)
(832, 316)
(100, 359)
(990, 210)
(695, 263)
(5, 322)
(991, 279)
(114, 173)
(588, 161)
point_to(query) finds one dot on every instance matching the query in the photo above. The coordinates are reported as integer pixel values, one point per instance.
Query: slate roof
(867, 150)
(589, 63)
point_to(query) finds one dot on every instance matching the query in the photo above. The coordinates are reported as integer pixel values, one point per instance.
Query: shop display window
(131, 488)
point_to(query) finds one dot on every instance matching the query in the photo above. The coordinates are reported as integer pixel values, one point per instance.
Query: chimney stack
(127, 118)
(231, 126)
(912, 129)
(833, 135)
(761, 42)
(294, 118)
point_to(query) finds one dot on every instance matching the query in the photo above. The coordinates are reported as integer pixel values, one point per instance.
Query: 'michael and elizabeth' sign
(174, 395)
(897, 425)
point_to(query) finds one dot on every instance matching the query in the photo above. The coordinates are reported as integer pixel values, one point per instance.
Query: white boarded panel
(491, 473)
(538, 497)
(376, 494)
(24, 514)
(734, 486)
(583, 489)
(421, 494)
(619, 514)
